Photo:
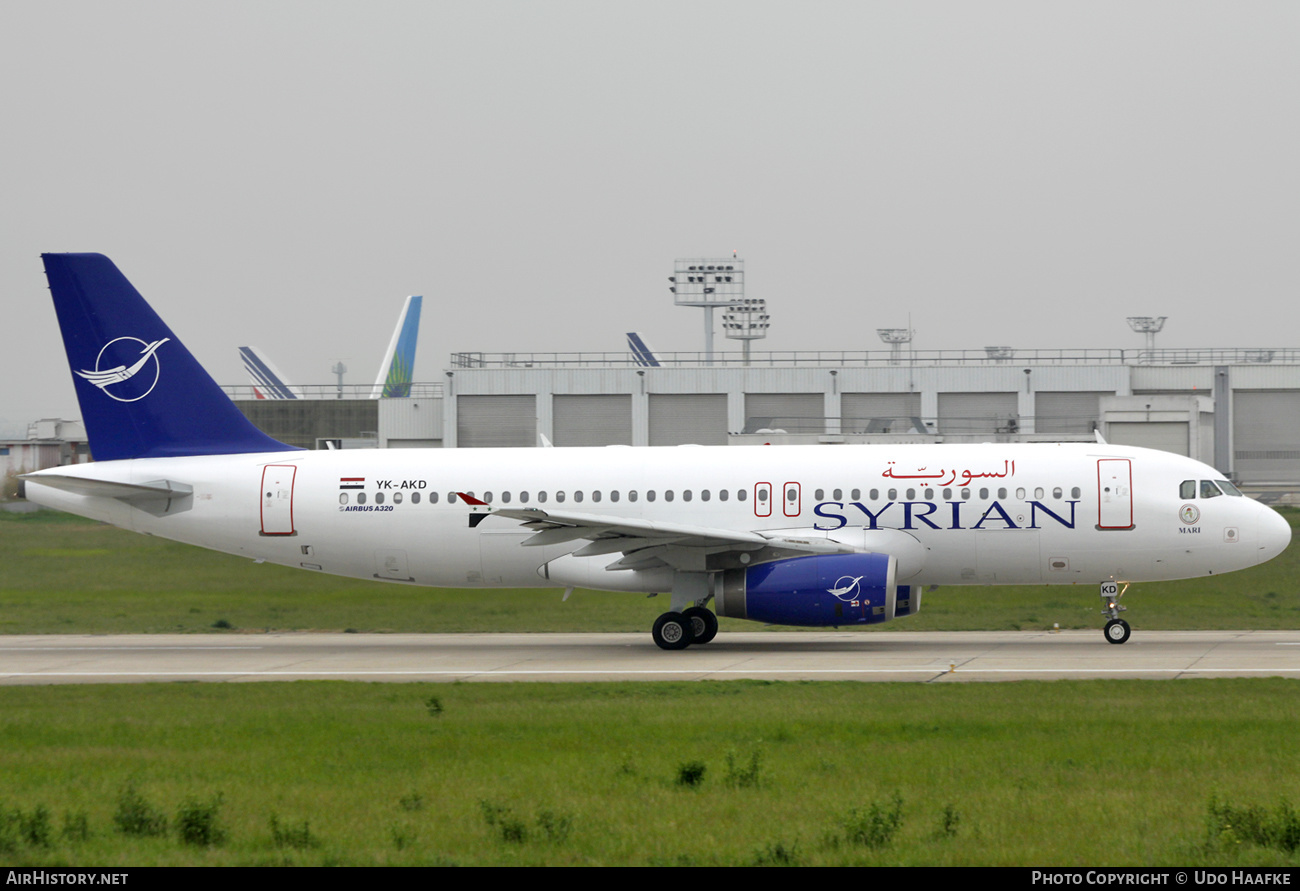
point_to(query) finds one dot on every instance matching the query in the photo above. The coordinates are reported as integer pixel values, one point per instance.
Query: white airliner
(794, 535)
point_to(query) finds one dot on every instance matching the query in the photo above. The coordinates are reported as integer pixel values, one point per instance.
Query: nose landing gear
(1117, 630)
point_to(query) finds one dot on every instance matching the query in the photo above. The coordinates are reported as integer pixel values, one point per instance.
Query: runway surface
(900, 656)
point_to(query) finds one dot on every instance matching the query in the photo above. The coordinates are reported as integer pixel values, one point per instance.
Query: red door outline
(276, 499)
(1114, 493)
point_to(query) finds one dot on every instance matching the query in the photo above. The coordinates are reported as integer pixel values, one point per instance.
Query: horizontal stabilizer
(157, 497)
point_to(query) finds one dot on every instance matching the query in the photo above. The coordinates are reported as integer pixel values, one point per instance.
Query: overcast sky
(283, 174)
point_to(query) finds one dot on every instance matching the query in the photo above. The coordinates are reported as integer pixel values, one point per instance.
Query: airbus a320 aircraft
(792, 535)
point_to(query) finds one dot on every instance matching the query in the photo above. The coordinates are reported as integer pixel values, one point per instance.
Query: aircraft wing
(646, 544)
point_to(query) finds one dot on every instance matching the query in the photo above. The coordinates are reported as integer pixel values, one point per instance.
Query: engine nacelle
(838, 589)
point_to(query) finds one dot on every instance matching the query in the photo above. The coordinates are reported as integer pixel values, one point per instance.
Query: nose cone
(1274, 533)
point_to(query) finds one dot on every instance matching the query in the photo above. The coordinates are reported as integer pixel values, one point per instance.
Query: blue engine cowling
(839, 589)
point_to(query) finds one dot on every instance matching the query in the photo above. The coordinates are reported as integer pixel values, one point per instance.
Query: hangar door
(592, 420)
(1266, 435)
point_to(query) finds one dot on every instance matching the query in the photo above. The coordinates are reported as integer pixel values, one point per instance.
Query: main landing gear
(1117, 630)
(677, 631)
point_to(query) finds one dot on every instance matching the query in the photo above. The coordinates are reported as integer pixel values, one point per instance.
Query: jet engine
(837, 589)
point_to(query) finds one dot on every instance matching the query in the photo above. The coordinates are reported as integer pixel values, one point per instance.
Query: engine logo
(846, 588)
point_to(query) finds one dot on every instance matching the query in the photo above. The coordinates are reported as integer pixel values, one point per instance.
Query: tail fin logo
(115, 374)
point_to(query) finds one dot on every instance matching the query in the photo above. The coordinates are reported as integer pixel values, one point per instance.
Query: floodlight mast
(1148, 325)
(746, 320)
(895, 337)
(708, 284)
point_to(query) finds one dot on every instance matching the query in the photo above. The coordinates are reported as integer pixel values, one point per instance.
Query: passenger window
(704, 494)
(838, 495)
(1038, 493)
(911, 494)
(668, 494)
(397, 498)
(650, 496)
(577, 496)
(873, 495)
(929, 494)
(1187, 490)
(1076, 492)
(1056, 493)
(523, 497)
(361, 498)
(631, 495)
(856, 494)
(595, 496)
(343, 498)
(613, 496)
(559, 496)
(742, 494)
(1209, 489)
(762, 494)
(541, 496)
(415, 497)
(1002, 493)
(947, 494)
(893, 494)
(686, 495)
(818, 495)
(984, 493)
(433, 497)
(1020, 493)
(965, 494)
(722, 494)
(505, 497)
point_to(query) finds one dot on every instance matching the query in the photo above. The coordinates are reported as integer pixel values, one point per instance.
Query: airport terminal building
(1236, 409)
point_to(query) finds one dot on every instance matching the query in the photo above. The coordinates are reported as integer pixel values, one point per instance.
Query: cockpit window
(1229, 488)
(1209, 489)
(1187, 490)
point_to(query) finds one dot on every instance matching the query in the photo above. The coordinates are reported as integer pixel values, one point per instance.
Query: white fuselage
(951, 514)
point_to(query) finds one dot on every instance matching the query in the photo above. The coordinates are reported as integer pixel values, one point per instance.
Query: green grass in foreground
(63, 574)
(1061, 773)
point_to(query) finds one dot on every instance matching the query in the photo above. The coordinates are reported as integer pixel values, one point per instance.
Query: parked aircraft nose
(1274, 533)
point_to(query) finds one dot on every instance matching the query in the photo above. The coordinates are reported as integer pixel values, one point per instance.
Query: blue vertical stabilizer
(142, 394)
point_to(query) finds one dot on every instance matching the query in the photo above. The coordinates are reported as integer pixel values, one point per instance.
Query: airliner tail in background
(268, 382)
(642, 353)
(399, 359)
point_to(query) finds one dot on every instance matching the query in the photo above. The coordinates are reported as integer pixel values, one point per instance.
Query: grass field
(62, 574)
(1064, 773)
(1094, 773)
